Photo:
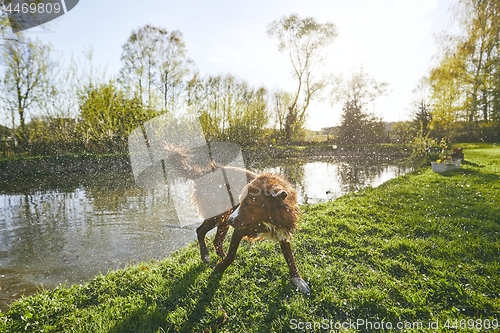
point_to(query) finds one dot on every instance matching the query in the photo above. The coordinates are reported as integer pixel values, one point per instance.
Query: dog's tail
(179, 159)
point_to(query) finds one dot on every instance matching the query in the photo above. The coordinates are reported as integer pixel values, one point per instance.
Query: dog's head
(267, 199)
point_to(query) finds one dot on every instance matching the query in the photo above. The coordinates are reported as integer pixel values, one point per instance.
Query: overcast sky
(394, 40)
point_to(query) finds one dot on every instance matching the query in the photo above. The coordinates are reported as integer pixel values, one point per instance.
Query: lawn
(419, 253)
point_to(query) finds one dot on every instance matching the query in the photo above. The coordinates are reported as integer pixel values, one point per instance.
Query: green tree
(246, 124)
(27, 82)
(357, 126)
(305, 42)
(446, 98)
(478, 51)
(465, 80)
(229, 109)
(107, 116)
(402, 131)
(356, 94)
(52, 135)
(421, 106)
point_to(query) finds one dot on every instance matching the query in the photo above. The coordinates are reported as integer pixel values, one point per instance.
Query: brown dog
(267, 208)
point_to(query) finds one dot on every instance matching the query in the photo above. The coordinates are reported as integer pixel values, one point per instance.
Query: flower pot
(442, 167)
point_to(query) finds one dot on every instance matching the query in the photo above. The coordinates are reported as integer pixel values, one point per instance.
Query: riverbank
(420, 250)
(367, 151)
(49, 166)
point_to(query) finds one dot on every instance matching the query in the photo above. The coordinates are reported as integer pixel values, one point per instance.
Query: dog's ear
(281, 195)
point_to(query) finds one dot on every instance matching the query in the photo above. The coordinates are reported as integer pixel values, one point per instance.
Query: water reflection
(320, 181)
(72, 228)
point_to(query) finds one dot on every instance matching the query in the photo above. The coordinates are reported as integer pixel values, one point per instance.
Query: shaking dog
(267, 209)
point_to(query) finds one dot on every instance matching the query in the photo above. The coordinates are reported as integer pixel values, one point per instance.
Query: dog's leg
(201, 231)
(231, 253)
(294, 272)
(222, 229)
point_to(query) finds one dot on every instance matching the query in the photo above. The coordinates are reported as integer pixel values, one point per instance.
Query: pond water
(69, 229)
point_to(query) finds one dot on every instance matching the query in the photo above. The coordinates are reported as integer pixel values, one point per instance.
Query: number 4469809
(479, 324)
(33, 8)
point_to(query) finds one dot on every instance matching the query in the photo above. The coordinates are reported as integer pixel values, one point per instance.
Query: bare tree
(139, 61)
(155, 66)
(281, 101)
(421, 107)
(175, 66)
(305, 41)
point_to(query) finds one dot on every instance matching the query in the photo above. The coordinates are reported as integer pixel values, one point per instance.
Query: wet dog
(267, 208)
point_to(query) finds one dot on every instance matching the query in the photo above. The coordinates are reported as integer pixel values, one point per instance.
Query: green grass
(422, 249)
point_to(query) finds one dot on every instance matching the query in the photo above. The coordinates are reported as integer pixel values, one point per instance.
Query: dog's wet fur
(267, 208)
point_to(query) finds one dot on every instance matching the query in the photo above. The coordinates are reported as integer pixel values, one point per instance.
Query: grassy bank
(421, 250)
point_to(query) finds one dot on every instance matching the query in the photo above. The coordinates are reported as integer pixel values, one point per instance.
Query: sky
(393, 40)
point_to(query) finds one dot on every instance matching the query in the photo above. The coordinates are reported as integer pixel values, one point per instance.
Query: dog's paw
(301, 285)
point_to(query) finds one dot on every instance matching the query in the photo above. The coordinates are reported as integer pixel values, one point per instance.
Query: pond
(70, 228)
